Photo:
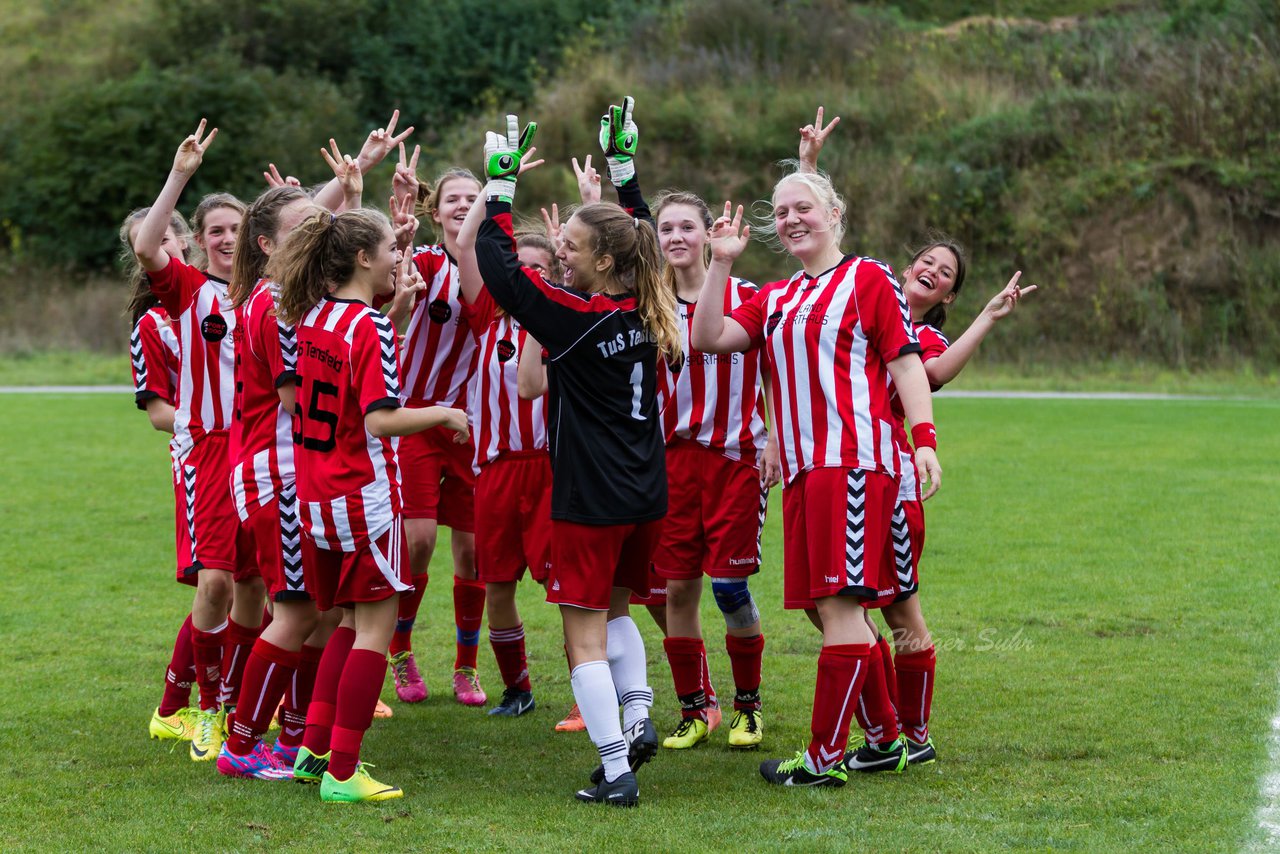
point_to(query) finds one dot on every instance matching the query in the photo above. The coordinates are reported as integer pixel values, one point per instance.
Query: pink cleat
(714, 716)
(409, 685)
(261, 763)
(466, 687)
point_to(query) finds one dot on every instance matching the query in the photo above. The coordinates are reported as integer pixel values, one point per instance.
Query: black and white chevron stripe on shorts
(903, 558)
(855, 529)
(291, 546)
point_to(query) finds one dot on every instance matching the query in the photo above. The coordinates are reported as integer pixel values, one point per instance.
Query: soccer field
(1100, 578)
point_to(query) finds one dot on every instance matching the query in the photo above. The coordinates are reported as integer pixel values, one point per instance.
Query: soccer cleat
(870, 758)
(920, 754)
(261, 763)
(466, 687)
(308, 767)
(180, 725)
(382, 710)
(622, 792)
(206, 739)
(642, 741)
(275, 716)
(404, 672)
(514, 703)
(689, 733)
(358, 789)
(714, 716)
(572, 722)
(793, 772)
(746, 731)
(286, 754)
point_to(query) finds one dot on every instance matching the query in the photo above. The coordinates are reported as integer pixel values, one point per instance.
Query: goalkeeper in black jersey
(604, 331)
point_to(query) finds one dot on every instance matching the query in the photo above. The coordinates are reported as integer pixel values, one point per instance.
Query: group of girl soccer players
(558, 401)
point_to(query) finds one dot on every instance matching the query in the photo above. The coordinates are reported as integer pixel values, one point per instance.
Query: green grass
(1100, 577)
(65, 367)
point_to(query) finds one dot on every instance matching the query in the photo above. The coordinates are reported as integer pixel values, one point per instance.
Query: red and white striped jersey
(205, 322)
(932, 345)
(501, 421)
(348, 481)
(827, 340)
(155, 357)
(262, 432)
(439, 345)
(715, 399)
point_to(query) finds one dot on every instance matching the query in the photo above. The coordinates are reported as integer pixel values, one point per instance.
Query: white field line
(66, 389)
(1266, 836)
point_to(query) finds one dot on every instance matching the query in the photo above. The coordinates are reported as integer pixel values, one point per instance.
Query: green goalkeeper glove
(619, 137)
(502, 155)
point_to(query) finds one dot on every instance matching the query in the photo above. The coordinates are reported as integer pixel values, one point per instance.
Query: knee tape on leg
(734, 599)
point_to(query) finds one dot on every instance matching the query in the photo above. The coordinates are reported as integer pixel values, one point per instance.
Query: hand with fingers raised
(381, 142)
(588, 181)
(503, 158)
(348, 173)
(619, 137)
(274, 179)
(190, 153)
(729, 236)
(405, 180)
(551, 222)
(1002, 304)
(812, 138)
(403, 223)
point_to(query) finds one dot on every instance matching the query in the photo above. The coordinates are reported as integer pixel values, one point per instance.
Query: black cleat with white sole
(643, 741)
(514, 703)
(869, 758)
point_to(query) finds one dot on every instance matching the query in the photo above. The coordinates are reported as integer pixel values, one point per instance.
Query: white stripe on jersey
(502, 420)
(440, 349)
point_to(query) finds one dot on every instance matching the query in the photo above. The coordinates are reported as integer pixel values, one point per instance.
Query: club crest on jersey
(439, 311)
(774, 320)
(213, 328)
(506, 349)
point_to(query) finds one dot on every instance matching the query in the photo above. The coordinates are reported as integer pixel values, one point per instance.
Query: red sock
(206, 649)
(915, 686)
(688, 660)
(745, 655)
(180, 673)
(406, 615)
(875, 712)
(266, 674)
(362, 680)
(842, 668)
(890, 672)
(508, 649)
(468, 614)
(297, 696)
(324, 696)
(235, 655)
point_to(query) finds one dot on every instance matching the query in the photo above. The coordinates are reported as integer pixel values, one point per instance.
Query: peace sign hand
(191, 152)
(1003, 303)
(348, 173)
(405, 180)
(403, 223)
(272, 175)
(729, 237)
(551, 221)
(381, 142)
(588, 181)
(812, 138)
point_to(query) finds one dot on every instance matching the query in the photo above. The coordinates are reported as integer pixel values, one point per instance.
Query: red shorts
(588, 561)
(715, 512)
(376, 570)
(657, 590)
(513, 526)
(273, 537)
(206, 512)
(836, 524)
(436, 480)
(902, 573)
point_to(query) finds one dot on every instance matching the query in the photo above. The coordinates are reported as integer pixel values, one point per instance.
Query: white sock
(628, 666)
(593, 691)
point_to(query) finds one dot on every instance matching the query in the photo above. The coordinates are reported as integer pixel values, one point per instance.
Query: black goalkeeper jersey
(604, 431)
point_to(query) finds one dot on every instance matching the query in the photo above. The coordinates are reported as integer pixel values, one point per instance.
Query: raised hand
(348, 173)
(551, 222)
(409, 284)
(403, 223)
(503, 156)
(527, 162)
(405, 180)
(1003, 303)
(729, 236)
(272, 175)
(619, 138)
(812, 138)
(588, 181)
(381, 142)
(190, 153)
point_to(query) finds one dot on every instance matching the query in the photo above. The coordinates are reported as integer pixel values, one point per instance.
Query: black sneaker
(642, 740)
(920, 754)
(869, 758)
(514, 703)
(792, 772)
(622, 792)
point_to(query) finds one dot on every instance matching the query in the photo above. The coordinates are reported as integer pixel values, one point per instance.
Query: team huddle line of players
(335, 393)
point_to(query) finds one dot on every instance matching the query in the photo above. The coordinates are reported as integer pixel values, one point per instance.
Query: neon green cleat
(309, 768)
(794, 772)
(747, 729)
(207, 737)
(360, 788)
(690, 732)
(180, 725)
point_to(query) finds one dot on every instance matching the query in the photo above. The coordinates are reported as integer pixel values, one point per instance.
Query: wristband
(924, 436)
(500, 190)
(621, 170)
